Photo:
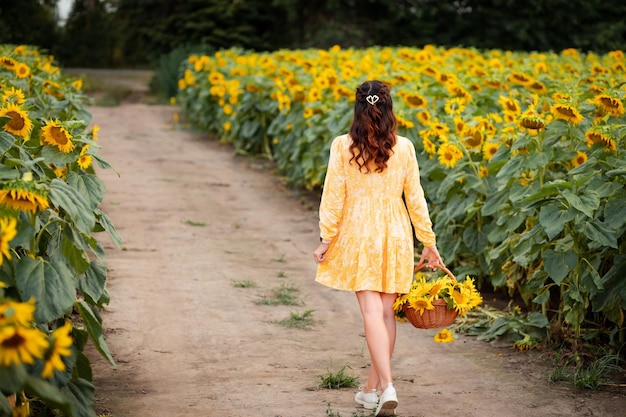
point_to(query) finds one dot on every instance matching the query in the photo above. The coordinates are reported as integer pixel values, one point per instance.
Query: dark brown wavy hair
(373, 130)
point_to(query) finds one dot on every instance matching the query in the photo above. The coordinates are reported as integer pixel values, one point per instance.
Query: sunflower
(14, 96)
(579, 159)
(7, 233)
(21, 345)
(449, 155)
(22, 70)
(54, 134)
(24, 196)
(509, 105)
(489, 150)
(566, 112)
(402, 122)
(483, 171)
(610, 105)
(60, 346)
(216, 78)
(538, 87)
(13, 312)
(218, 90)
(429, 146)
(94, 132)
(532, 123)
(421, 304)
(520, 78)
(7, 62)
(595, 136)
(454, 106)
(84, 160)
(472, 137)
(424, 117)
(444, 336)
(20, 123)
(227, 126)
(415, 100)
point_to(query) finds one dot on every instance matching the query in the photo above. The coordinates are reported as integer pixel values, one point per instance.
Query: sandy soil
(188, 342)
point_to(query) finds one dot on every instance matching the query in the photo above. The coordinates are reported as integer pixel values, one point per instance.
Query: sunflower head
(19, 123)
(23, 195)
(53, 133)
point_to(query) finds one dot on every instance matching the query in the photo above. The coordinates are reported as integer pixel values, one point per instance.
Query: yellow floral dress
(366, 220)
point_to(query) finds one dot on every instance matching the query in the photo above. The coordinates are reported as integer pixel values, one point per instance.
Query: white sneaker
(367, 400)
(388, 402)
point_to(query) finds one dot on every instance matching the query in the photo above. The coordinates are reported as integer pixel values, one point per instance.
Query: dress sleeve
(416, 202)
(333, 194)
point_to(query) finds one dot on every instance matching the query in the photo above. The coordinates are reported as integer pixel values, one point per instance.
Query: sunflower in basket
(459, 296)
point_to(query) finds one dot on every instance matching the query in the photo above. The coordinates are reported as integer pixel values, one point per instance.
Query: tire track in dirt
(194, 218)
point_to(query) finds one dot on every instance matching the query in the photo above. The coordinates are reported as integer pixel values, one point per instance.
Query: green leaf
(89, 186)
(92, 282)
(494, 201)
(6, 141)
(559, 264)
(511, 169)
(53, 155)
(81, 394)
(93, 324)
(53, 287)
(12, 378)
(599, 234)
(76, 206)
(74, 254)
(475, 240)
(106, 224)
(615, 212)
(588, 203)
(547, 191)
(48, 393)
(553, 219)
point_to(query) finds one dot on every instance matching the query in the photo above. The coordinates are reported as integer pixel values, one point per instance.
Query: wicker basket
(440, 316)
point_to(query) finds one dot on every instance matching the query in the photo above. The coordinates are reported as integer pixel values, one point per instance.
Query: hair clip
(372, 99)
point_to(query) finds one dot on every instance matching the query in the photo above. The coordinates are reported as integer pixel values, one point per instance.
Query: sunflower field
(52, 276)
(522, 156)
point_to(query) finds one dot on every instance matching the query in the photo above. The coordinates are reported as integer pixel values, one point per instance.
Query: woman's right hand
(432, 254)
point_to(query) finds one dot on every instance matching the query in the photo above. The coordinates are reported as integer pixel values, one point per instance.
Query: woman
(365, 228)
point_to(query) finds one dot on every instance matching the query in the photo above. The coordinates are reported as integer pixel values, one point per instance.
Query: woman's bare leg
(380, 333)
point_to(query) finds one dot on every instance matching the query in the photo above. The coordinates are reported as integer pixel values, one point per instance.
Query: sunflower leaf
(93, 324)
(75, 205)
(52, 286)
(6, 141)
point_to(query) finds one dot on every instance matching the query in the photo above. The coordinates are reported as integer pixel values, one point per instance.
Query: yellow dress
(366, 220)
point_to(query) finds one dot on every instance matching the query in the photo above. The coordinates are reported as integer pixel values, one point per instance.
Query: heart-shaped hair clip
(372, 99)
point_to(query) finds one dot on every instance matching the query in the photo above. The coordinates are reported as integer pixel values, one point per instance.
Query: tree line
(134, 33)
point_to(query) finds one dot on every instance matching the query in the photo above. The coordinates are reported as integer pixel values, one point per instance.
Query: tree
(30, 22)
(89, 36)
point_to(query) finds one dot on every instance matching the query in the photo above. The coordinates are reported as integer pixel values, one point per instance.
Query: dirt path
(187, 342)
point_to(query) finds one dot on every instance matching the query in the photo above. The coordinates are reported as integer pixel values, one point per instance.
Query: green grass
(361, 413)
(246, 283)
(298, 321)
(338, 380)
(592, 375)
(196, 224)
(283, 295)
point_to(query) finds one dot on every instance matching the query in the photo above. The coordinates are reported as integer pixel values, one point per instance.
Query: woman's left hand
(319, 253)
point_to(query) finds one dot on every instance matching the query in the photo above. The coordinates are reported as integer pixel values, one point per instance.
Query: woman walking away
(365, 228)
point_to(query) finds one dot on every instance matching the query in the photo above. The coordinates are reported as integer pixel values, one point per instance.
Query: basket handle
(434, 266)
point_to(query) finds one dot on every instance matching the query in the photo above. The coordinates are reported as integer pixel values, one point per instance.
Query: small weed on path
(361, 413)
(338, 380)
(246, 283)
(298, 321)
(283, 295)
